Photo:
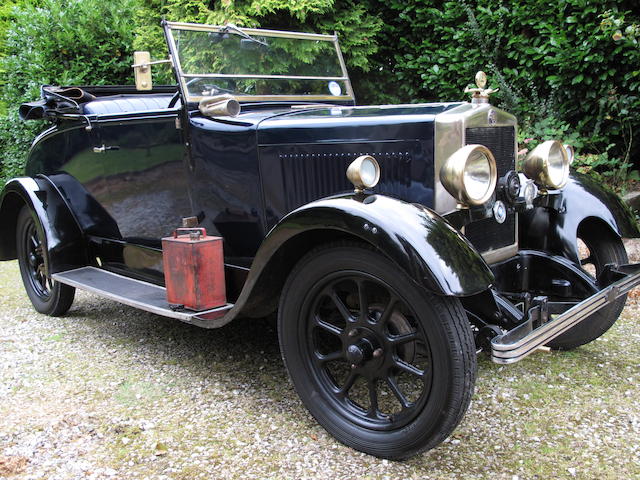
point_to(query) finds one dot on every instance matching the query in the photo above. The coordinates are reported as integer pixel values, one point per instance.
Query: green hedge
(569, 69)
(60, 43)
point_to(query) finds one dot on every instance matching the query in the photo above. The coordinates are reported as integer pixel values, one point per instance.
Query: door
(145, 179)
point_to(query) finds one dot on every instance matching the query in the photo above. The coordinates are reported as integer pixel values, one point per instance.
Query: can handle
(200, 231)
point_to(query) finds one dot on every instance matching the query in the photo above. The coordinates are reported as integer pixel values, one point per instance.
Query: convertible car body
(394, 241)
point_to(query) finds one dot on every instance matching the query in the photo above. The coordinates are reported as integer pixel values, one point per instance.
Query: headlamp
(470, 174)
(548, 165)
(364, 172)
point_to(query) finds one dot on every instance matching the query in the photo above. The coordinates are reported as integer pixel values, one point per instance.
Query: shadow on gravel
(244, 353)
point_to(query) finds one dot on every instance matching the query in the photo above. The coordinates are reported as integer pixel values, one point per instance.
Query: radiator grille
(487, 234)
(501, 142)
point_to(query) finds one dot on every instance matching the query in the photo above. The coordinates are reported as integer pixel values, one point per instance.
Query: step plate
(135, 293)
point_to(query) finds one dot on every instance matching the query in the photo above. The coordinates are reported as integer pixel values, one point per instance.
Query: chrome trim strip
(188, 317)
(503, 253)
(343, 65)
(283, 98)
(253, 31)
(521, 341)
(268, 77)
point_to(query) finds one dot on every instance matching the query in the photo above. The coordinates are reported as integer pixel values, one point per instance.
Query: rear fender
(583, 202)
(64, 240)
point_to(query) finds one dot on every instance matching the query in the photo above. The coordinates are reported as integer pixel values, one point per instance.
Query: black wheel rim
(34, 263)
(367, 351)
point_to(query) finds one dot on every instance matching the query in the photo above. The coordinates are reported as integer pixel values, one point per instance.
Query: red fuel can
(194, 269)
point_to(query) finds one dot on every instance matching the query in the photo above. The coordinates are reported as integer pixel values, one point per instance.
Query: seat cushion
(127, 103)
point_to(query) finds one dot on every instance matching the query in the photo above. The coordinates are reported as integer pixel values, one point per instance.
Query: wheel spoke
(329, 357)
(362, 299)
(342, 308)
(373, 399)
(388, 310)
(395, 389)
(351, 379)
(586, 261)
(402, 339)
(407, 367)
(328, 327)
(34, 241)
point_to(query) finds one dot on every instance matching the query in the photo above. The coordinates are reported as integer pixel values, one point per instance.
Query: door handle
(103, 148)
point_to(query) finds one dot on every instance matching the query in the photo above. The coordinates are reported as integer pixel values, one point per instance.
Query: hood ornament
(480, 94)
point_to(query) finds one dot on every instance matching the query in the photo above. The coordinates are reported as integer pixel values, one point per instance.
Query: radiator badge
(492, 117)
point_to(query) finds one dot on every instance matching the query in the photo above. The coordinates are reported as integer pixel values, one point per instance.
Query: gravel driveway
(111, 392)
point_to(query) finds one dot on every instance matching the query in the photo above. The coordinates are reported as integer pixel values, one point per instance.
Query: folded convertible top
(56, 101)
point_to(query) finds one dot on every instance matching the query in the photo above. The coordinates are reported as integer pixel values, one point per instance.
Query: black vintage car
(394, 241)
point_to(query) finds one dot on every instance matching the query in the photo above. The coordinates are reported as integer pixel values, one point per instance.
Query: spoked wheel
(46, 295)
(383, 365)
(596, 248)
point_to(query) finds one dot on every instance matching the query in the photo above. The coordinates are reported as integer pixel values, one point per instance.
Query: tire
(602, 248)
(383, 365)
(46, 295)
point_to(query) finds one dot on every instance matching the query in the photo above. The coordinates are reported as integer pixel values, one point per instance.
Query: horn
(219, 106)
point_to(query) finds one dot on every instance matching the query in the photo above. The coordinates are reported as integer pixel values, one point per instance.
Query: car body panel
(414, 237)
(555, 229)
(64, 238)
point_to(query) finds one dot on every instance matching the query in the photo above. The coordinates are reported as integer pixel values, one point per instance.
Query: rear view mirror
(142, 70)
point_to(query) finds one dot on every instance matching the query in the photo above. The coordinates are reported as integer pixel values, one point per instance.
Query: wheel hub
(359, 352)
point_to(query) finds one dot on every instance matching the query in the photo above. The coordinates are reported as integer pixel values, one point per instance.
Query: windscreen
(263, 65)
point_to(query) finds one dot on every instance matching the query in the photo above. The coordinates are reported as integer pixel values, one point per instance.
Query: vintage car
(395, 242)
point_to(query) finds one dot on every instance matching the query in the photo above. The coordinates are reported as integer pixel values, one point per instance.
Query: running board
(523, 340)
(136, 293)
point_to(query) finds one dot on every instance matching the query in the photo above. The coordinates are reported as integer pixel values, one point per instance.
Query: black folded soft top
(56, 101)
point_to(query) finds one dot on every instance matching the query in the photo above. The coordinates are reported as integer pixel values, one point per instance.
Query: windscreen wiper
(231, 26)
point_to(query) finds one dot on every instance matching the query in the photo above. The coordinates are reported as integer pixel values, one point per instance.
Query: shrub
(576, 61)
(59, 43)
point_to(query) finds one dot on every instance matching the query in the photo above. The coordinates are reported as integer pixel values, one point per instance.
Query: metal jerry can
(194, 269)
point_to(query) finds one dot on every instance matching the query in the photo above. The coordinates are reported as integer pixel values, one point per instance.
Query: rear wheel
(383, 365)
(596, 248)
(46, 295)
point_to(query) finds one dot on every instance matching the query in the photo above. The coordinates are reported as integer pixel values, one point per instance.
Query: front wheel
(383, 365)
(46, 295)
(596, 248)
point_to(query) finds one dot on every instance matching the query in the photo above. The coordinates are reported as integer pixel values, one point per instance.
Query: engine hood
(348, 124)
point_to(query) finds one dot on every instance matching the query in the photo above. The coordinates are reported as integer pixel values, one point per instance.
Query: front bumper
(525, 339)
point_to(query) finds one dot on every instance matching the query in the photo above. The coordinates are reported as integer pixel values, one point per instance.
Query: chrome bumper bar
(523, 340)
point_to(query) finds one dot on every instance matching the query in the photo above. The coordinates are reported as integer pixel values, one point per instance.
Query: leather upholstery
(127, 103)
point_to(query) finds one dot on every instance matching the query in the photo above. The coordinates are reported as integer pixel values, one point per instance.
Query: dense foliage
(567, 69)
(57, 43)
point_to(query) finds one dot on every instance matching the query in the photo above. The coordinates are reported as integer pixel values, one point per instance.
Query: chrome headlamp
(548, 165)
(571, 153)
(470, 174)
(364, 172)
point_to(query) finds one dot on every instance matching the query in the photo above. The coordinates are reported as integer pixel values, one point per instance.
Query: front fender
(63, 237)
(419, 241)
(555, 229)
